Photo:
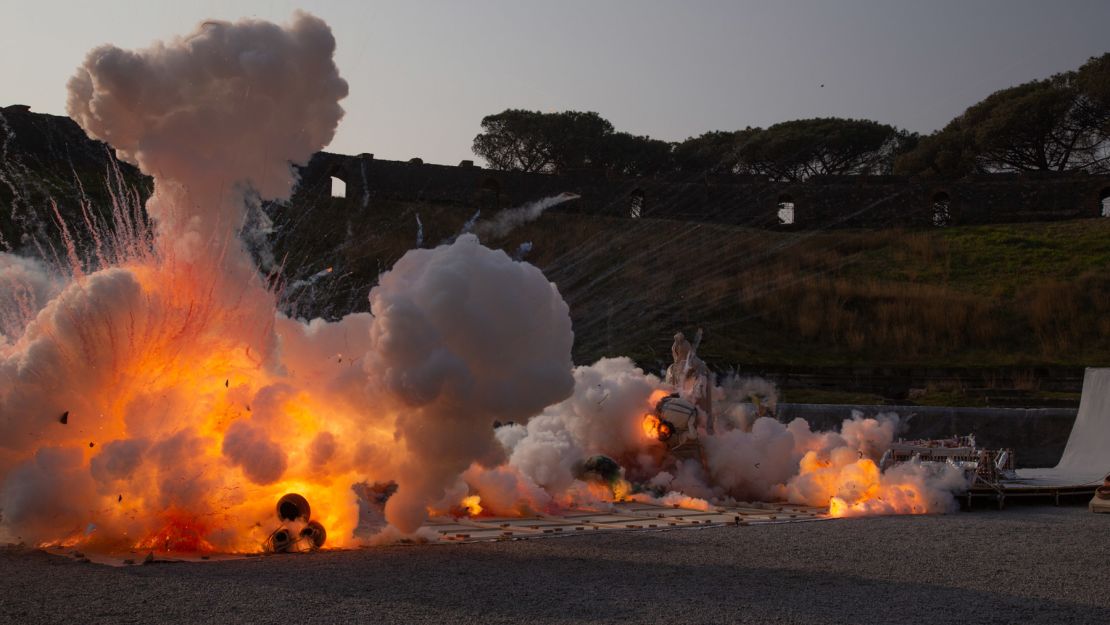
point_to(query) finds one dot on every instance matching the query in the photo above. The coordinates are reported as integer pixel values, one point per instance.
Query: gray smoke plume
(508, 220)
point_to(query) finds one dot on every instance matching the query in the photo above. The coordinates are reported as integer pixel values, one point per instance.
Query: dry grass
(1021, 295)
(872, 316)
(1065, 315)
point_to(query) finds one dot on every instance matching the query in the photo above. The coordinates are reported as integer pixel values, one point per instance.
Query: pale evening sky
(424, 73)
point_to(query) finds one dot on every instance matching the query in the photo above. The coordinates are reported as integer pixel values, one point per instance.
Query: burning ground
(153, 396)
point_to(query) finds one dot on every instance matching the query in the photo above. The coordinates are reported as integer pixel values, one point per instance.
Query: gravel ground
(1021, 565)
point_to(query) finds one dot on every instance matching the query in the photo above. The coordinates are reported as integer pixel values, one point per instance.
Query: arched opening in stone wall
(338, 187)
(491, 185)
(942, 209)
(489, 193)
(636, 204)
(786, 210)
(1104, 202)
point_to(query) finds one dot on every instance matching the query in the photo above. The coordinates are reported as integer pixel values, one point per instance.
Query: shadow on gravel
(482, 585)
(1028, 564)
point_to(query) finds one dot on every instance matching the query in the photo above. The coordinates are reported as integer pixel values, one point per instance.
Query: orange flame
(473, 505)
(655, 428)
(854, 486)
(185, 345)
(181, 533)
(615, 491)
(656, 396)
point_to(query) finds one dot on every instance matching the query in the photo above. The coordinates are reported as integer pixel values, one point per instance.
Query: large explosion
(153, 396)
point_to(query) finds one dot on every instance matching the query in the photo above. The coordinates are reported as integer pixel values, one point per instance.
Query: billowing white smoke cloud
(133, 355)
(154, 397)
(463, 336)
(763, 462)
(741, 400)
(214, 116)
(751, 465)
(67, 354)
(597, 415)
(746, 459)
(187, 352)
(547, 453)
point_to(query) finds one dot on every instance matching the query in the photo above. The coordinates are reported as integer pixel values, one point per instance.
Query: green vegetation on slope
(1010, 295)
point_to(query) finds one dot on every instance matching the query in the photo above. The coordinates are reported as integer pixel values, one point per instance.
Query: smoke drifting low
(757, 459)
(162, 401)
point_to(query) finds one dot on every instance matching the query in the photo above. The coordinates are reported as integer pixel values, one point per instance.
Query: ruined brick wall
(821, 202)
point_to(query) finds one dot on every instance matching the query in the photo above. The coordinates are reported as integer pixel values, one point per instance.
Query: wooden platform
(1045, 491)
(1086, 460)
(626, 516)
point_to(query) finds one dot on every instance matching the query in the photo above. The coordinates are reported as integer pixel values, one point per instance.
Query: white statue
(689, 376)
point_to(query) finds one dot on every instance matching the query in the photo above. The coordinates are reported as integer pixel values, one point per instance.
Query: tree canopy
(715, 152)
(1060, 123)
(799, 149)
(633, 155)
(796, 150)
(531, 141)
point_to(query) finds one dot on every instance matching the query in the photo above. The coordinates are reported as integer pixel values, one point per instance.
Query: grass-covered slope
(1019, 295)
(1012, 295)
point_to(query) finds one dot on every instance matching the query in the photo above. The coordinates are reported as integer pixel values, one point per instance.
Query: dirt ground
(1020, 565)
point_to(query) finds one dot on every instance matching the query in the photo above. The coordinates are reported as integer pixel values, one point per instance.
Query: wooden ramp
(1086, 459)
(624, 516)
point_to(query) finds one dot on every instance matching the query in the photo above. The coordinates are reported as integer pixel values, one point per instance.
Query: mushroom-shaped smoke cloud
(215, 116)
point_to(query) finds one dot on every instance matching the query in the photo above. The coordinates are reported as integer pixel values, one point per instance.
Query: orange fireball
(656, 428)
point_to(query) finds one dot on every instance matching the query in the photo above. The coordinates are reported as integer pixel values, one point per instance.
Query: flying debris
(64, 419)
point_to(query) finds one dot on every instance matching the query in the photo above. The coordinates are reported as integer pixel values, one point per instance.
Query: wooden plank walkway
(624, 516)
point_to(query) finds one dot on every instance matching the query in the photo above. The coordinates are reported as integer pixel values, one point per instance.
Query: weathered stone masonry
(821, 202)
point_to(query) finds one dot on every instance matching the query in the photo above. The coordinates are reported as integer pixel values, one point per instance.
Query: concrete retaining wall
(1037, 435)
